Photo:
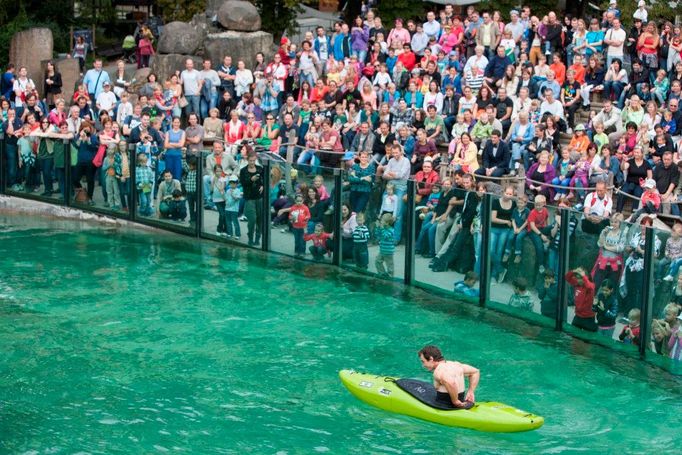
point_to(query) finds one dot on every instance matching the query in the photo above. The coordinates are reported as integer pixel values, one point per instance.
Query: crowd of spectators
(583, 113)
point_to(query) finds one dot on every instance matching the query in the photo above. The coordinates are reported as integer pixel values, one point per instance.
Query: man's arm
(452, 389)
(474, 376)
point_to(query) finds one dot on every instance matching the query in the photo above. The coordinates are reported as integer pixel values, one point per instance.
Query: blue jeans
(561, 182)
(299, 243)
(499, 236)
(206, 180)
(361, 55)
(206, 105)
(399, 191)
(144, 201)
(309, 157)
(428, 232)
(307, 77)
(539, 246)
(477, 251)
(174, 163)
(60, 172)
(553, 261)
(232, 220)
(12, 165)
(614, 87)
(359, 200)
(516, 240)
(193, 104)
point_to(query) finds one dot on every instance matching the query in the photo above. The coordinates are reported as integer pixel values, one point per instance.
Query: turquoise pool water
(117, 341)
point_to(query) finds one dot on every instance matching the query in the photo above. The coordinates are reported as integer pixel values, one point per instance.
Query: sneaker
(501, 275)
(569, 131)
(557, 196)
(668, 278)
(91, 202)
(541, 269)
(236, 237)
(283, 231)
(106, 204)
(242, 218)
(505, 258)
(517, 259)
(218, 233)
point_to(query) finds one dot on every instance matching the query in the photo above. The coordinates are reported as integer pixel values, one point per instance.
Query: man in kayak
(448, 378)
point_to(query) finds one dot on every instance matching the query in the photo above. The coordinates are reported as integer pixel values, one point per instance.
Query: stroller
(129, 49)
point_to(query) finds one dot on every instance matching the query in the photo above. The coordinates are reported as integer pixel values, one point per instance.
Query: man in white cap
(613, 8)
(515, 26)
(641, 13)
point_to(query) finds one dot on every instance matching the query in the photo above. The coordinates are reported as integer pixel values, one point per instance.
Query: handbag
(99, 156)
(182, 102)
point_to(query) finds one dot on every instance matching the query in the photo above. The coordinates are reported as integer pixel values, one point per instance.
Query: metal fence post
(564, 251)
(3, 182)
(410, 234)
(266, 238)
(132, 187)
(337, 218)
(486, 275)
(68, 174)
(647, 292)
(199, 196)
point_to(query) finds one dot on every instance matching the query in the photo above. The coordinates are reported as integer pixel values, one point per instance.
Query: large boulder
(239, 16)
(164, 65)
(212, 7)
(180, 38)
(239, 45)
(70, 71)
(29, 48)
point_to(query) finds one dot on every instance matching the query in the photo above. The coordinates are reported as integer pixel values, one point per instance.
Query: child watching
(519, 224)
(388, 205)
(581, 174)
(649, 202)
(320, 240)
(217, 191)
(673, 253)
(233, 197)
(144, 177)
(177, 206)
(385, 235)
(605, 306)
(539, 230)
(467, 287)
(111, 167)
(564, 172)
(27, 158)
(521, 297)
(549, 295)
(583, 297)
(360, 239)
(630, 333)
(190, 184)
(668, 123)
(299, 214)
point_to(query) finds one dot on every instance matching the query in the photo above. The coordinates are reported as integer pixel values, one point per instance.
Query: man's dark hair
(496, 133)
(607, 283)
(431, 353)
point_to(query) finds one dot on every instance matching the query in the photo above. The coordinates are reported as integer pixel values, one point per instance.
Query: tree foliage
(278, 16)
(389, 10)
(538, 7)
(180, 10)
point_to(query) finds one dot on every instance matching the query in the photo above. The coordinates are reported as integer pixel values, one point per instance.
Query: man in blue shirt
(7, 82)
(95, 78)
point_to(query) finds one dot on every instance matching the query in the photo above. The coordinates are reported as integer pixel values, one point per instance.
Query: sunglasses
(270, 118)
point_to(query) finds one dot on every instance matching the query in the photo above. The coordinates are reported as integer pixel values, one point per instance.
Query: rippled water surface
(115, 341)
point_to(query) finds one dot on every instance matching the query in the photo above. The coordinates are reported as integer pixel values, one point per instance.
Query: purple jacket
(359, 39)
(548, 175)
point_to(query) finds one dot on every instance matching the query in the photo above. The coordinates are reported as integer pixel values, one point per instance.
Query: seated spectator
(540, 176)
(496, 157)
(597, 210)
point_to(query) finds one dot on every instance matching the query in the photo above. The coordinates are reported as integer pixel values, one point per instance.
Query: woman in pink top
(398, 37)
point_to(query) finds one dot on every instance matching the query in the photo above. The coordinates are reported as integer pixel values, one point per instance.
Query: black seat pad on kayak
(424, 392)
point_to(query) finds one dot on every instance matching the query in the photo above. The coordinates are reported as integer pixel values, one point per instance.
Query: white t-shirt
(190, 82)
(106, 101)
(210, 75)
(618, 35)
(23, 85)
(596, 206)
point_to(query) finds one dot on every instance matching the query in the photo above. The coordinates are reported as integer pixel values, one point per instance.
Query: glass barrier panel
(666, 337)
(447, 244)
(524, 264)
(290, 234)
(40, 175)
(605, 262)
(221, 199)
(164, 188)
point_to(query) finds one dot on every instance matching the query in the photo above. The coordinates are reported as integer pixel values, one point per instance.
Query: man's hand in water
(470, 396)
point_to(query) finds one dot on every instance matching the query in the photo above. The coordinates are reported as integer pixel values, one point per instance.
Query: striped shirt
(360, 234)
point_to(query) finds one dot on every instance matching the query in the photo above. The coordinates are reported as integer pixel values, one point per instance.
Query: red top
(583, 296)
(299, 216)
(539, 217)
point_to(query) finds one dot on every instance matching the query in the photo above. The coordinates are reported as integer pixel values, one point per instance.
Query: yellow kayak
(417, 399)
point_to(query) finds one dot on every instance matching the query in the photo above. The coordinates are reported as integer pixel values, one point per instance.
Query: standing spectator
(584, 298)
(53, 84)
(146, 50)
(191, 86)
(209, 88)
(251, 180)
(95, 79)
(80, 51)
(615, 39)
(396, 172)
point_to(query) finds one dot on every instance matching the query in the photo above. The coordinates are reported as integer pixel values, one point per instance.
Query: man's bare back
(448, 377)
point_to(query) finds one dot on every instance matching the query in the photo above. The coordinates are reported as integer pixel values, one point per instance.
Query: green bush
(23, 22)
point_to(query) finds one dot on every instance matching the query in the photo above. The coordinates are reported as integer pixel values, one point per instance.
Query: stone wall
(30, 48)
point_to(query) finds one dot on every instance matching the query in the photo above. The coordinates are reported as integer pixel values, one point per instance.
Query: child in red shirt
(320, 245)
(538, 230)
(299, 214)
(650, 201)
(583, 298)
(630, 333)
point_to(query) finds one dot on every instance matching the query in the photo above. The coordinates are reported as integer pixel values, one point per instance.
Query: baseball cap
(650, 183)
(641, 3)
(232, 178)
